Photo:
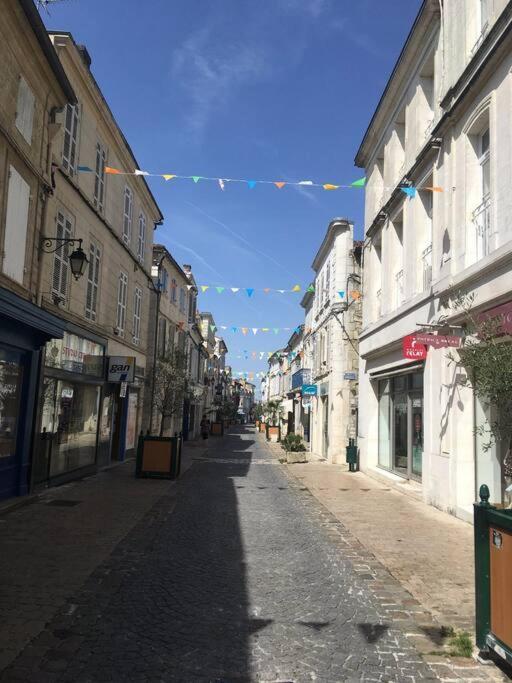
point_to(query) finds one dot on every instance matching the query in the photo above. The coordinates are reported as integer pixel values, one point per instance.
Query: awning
(404, 369)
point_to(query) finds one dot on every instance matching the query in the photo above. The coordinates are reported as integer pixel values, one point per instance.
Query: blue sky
(261, 89)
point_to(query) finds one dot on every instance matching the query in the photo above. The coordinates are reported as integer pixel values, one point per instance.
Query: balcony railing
(481, 218)
(399, 288)
(426, 258)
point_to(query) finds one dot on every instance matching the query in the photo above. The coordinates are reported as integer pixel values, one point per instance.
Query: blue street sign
(309, 390)
(350, 375)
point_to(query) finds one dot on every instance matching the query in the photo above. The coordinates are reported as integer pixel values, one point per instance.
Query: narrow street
(236, 576)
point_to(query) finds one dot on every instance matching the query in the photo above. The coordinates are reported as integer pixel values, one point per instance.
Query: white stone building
(444, 121)
(332, 316)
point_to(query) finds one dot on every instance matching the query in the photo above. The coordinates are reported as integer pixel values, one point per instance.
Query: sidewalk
(51, 545)
(428, 552)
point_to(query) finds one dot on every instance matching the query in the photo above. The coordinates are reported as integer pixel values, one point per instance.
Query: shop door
(11, 389)
(401, 442)
(416, 434)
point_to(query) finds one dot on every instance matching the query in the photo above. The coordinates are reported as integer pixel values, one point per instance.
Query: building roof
(334, 225)
(160, 249)
(427, 7)
(80, 49)
(37, 25)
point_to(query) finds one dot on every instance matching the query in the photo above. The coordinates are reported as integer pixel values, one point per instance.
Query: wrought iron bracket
(47, 243)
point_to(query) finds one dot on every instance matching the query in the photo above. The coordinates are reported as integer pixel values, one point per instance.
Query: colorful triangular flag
(205, 287)
(168, 176)
(341, 294)
(250, 291)
(221, 184)
(409, 191)
(255, 330)
(305, 182)
(196, 178)
(213, 328)
(251, 184)
(113, 171)
(84, 169)
(276, 330)
(311, 288)
(359, 183)
(245, 330)
(235, 289)
(220, 289)
(234, 329)
(280, 185)
(266, 290)
(137, 172)
(296, 288)
(328, 186)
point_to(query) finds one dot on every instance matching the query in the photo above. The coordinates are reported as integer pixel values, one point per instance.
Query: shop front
(400, 421)
(24, 330)
(72, 409)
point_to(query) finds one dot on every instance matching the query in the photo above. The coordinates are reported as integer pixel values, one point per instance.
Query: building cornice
(335, 226)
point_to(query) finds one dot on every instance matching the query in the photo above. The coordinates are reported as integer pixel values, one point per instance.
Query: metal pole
(482, 570)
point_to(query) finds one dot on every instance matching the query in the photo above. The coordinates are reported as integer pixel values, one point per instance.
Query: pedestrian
(205, 427)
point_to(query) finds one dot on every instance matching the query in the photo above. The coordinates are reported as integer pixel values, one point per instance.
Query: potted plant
(294, 447)
(273, 428)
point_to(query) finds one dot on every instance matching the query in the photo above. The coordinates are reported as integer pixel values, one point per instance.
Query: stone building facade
(443, 126)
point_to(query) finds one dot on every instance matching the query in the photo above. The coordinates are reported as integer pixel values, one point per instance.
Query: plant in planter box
(293, 443)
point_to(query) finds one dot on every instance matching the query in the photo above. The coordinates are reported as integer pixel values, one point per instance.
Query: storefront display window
(75, 354)
(11, 373)
(70, 424)
(493, 460)
(401, 424)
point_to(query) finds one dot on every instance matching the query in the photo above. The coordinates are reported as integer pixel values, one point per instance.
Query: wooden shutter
(69, 150)
(127, 215)
(99, 176)
(60, 258)
(25, 110)
(142, 237)
(16, 221)
(137, 307)
(93, 277)
(121, 302)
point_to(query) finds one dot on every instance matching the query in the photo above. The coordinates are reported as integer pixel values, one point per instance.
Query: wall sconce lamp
(77, 259)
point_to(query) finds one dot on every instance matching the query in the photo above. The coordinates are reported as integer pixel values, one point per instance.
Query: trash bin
(493, 576)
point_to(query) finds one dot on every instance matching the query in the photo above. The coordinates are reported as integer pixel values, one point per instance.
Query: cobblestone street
(227, 579)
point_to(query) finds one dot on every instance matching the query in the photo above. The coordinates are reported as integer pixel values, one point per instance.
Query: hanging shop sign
(438, 341)
(413, 349)
(121, 368)
(309, 390)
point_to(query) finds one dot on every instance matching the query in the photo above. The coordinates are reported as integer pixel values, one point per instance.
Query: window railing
(480, 39)
(481, 218)
(399, 288)
(426, 259)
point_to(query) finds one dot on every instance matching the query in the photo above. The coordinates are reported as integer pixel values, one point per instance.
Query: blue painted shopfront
(24, 330)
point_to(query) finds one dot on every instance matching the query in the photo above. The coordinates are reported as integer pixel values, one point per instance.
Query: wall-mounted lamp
(77, 259)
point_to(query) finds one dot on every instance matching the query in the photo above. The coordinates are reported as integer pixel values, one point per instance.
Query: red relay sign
(413, 349)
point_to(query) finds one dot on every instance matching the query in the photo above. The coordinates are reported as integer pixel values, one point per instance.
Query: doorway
(325, 426)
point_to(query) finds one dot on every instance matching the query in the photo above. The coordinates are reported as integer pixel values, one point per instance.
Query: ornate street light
(77, 259)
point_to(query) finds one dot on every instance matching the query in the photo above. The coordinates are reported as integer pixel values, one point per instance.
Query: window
(192, 307)
(174, 287)
(69, 150)
(99, 177)
(141, 244)
(16, 220)
(122, 292)
(137, 309)
(183, 300)
(484, 158)
(93, 278)
(328, 281)
(25, 110)
(165, 280)
(60, 257)
(162, 337)
(127, 215)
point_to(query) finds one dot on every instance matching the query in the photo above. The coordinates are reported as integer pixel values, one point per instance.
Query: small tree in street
(171, 386)
(487, 358)
(273, 410)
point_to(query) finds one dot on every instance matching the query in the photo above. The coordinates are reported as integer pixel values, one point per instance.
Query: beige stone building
(174, 325)
(86, 421)
(33, 88)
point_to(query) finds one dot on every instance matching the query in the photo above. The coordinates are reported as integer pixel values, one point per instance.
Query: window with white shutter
(99, 177)
(60, 257)
(122, 293)
(127, 215)
(93, 281)
(141, 244)
(137, 310)
(25, 110)
(70, 147)
(16, 220)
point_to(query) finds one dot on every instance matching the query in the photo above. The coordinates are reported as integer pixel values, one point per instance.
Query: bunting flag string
(360, 183)
(249, 291)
